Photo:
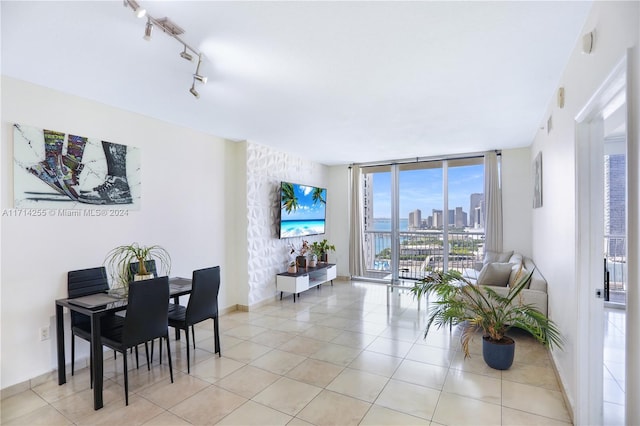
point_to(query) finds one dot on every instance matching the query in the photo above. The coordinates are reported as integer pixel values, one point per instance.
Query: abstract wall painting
(54, 169)
(537, 181)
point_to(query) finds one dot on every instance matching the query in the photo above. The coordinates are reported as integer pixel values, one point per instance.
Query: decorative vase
(292, 269)
(301, 261)
(324, 257)
(498, 355)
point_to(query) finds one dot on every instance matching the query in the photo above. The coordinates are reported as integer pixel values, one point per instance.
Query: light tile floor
(340, 355)
(613, 389)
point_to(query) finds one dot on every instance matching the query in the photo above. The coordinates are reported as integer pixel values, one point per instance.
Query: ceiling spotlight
(186, 55)
(139, 11)
(147, 30)
(193, 90)
(202, 79)
(168, 27)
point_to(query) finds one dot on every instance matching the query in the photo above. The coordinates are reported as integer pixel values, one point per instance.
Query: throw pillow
(494, 256)
(495, 274)
(515, 272)
(516, 258)
(522, 273)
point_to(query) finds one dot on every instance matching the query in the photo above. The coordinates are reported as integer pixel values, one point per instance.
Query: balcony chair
(146, 319)
(80, 283)
(203, 304)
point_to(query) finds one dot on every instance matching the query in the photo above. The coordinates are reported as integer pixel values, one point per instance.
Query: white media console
(305, 278)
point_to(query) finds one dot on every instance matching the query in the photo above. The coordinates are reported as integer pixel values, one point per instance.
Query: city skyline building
(415, 219)
(367, 207)
(615, 203)
(476, 210)
(460, 218)
(438, 220)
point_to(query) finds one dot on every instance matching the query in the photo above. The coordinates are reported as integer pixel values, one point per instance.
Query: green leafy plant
(118, 260)
(319, 248)
(482, 308)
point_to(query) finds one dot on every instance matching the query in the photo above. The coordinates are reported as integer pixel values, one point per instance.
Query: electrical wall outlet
(44, 333)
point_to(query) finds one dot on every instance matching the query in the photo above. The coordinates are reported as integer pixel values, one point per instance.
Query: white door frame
(589, 158)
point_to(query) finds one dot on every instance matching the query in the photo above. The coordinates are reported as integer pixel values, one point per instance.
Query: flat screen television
(302, 210)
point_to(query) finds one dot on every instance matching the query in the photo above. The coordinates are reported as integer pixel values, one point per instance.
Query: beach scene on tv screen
(302, 210)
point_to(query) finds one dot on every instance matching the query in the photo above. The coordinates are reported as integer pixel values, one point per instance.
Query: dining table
(97, 306)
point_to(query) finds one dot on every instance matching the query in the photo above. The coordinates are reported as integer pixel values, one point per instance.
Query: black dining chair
(150, 266)
(147, 309)
(80, 283)
(202, 305)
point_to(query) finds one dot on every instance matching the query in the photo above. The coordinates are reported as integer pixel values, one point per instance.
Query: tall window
(423, 215)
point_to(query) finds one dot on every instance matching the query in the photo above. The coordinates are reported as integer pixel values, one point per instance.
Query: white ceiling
(334, 82)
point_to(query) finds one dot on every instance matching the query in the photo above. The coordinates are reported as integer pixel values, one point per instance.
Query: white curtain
(356, 237)
(493, 203)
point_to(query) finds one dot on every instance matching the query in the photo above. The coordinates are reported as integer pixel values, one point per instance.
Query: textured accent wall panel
(268, 255)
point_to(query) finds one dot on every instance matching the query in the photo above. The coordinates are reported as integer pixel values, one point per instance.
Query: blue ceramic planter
(499, 355)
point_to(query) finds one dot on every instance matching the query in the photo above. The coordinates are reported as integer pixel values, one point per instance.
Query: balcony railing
(615, 254)
(422, 249)
(419, 250)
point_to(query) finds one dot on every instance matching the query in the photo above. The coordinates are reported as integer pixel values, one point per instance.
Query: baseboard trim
(563, 391)
(17, 388)
(227, 310)
(247, 308)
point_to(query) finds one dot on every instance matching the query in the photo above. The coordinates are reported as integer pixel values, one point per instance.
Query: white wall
(235, 183)
(207, 200)
(632, 378)
(266, 254)
(183, 209)
(554, 236)
(517, 198)
(338, 217)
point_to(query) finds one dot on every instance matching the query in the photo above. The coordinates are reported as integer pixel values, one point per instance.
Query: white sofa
(535, 293)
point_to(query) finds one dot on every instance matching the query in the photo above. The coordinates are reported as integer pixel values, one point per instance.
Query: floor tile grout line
(371, 308)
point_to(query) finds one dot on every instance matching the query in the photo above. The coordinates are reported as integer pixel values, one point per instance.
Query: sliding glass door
(422, 215)
(378, 223)
(466, 213)
(420, 206)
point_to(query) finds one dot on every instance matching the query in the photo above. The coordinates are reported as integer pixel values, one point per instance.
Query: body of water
(301, 228)
(382, 225)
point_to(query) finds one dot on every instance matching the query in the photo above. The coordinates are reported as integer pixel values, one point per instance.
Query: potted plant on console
(321, 249)
(119, 259)
(481, 308)
(300, 253)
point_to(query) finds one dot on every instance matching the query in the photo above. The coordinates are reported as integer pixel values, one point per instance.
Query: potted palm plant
(482, 309)
(119, 259)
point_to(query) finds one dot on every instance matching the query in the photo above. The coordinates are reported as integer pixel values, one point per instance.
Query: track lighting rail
(170, 28)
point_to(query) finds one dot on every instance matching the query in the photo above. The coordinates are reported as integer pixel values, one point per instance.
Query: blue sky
(422, 189)
(307, 209)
